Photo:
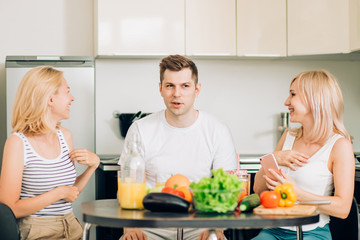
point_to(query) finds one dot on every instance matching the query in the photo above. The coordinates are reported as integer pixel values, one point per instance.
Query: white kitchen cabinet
(355, 25)
(210, 27)
(261, 28)
(139, 27)
(318, 26)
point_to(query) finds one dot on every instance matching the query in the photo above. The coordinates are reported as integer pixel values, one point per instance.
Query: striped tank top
(41, 175)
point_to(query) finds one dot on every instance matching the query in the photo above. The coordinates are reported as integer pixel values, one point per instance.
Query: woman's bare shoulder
(343, 144)
(14, 141)
(68, 136)
(342, 149)
(280, 144)
(13, 149)
(67, 133)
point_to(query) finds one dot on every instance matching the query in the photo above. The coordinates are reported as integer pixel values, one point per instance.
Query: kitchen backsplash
(248, 95)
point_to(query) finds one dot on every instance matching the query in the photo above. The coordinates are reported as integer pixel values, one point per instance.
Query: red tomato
(173, 191)
(270, 199)
(168, 190)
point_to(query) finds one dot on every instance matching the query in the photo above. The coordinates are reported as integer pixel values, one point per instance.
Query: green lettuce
(220, 193)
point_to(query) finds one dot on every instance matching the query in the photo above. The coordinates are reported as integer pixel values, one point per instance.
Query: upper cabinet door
(261, 27)
(139, 27)
(354, 25)
(318, 27)
(210, 27)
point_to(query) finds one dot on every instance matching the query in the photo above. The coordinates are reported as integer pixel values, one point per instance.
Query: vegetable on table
(287, 195)
(173, 191)
(219, 193)
(269, 199)
(249, 202)
(186, 192)
(242, 195)
(176, 181)
(165, 202)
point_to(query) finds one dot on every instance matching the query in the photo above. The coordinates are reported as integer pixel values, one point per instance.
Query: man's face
(179, 91)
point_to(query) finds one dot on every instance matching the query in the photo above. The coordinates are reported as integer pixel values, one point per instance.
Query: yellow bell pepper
(287, 193)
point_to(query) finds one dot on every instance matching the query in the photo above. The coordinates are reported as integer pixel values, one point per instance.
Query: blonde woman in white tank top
(317, 158)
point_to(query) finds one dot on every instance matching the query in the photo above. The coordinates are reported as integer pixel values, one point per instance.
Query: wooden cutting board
(297, 209)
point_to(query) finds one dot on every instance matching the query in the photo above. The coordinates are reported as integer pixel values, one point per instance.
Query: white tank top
(314, 176)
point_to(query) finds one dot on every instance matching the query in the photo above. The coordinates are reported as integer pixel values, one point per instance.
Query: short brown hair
(178, 63)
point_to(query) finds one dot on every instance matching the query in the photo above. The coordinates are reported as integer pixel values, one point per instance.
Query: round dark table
(107, 213)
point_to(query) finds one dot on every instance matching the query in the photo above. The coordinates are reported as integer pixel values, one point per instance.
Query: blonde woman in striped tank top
(317, 158)
(38, 178)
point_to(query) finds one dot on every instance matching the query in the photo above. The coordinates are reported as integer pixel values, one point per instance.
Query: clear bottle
(132, 187)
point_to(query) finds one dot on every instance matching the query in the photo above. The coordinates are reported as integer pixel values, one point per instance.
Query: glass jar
(244, 177)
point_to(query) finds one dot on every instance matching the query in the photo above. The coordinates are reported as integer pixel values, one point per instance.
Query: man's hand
(206, 234)
(290, 158)
(133, 234)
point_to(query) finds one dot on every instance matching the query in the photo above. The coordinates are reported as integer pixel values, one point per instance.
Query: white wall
(248, 95)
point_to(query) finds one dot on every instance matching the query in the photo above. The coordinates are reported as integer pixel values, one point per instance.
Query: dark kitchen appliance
(126, 119)
(106, 188)
(357, 178)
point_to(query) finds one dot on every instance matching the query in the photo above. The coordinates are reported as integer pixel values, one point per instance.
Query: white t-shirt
(192, 151)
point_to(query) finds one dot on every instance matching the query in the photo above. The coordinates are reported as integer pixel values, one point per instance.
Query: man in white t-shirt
(180, 139)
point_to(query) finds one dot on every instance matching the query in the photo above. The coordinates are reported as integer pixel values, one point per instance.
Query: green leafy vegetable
(220, 193)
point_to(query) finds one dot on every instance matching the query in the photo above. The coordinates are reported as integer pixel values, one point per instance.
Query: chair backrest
(9, 229)
(347, 228)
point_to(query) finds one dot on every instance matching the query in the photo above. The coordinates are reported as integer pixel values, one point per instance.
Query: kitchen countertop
(250, 162)
(109, 162)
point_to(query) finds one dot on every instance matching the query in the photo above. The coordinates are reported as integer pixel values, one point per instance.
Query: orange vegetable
(242, 195)
(177, 180)
(186, 192)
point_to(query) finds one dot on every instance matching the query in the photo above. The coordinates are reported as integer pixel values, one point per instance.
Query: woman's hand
(289, 158)
(134, 234)
(68, 193)
(279, 179)
(84, 157)
(206, 234)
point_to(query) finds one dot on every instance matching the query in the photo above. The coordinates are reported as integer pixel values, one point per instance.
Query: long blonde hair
(321, 92)
(30, 109)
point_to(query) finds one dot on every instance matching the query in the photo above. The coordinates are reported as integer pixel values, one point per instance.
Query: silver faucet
(284, 122)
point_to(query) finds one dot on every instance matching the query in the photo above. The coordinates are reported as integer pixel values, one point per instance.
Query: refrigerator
(79, 74)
